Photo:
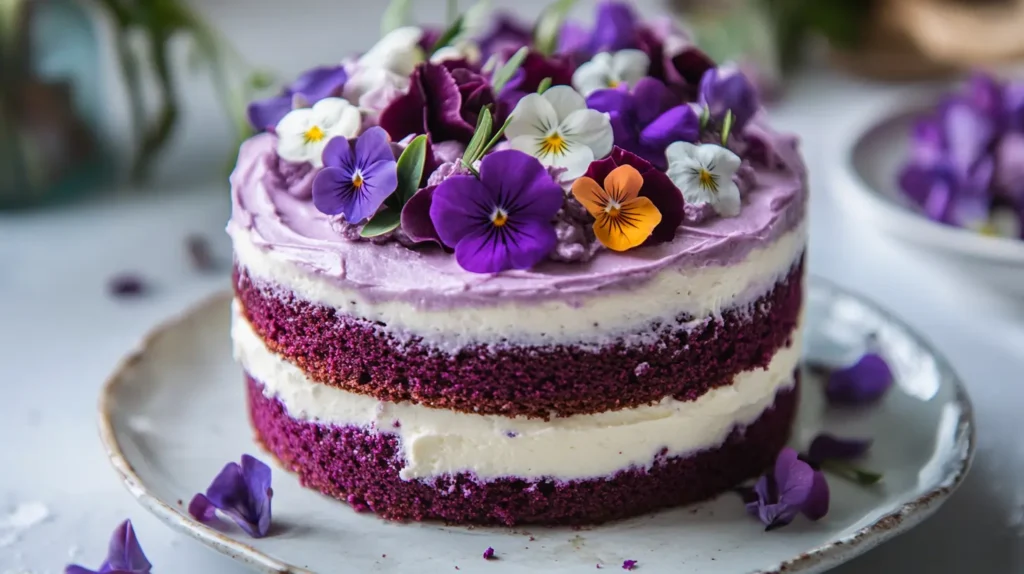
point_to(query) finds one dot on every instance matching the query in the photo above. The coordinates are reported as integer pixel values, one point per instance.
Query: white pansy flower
(703, 173)
(557, 128)
(608, 70)
(303, 133)
(384, 68)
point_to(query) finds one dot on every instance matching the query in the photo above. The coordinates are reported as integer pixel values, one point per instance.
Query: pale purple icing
(295, 231)
(286, 176)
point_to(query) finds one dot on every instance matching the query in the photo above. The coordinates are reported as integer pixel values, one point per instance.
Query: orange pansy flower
(624, 219)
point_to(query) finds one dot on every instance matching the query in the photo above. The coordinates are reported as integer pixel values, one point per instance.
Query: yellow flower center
(357, 180)
(989, 230)
(499, 218)
(314, 135)
(613, 83)
(613, 209)
(554, 144)
(708, 180)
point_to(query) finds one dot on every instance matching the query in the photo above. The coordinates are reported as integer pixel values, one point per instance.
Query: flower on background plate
(303, 133)
(623, 219)
(610, 70)
(647, 119)
(242, 492)
(502, 220)
(828, 447)
(863, 382)
(793, 488)
(557, 128)
(310, 88)
(725, 89)
(704, 173)
(358, 176)
(124, 556)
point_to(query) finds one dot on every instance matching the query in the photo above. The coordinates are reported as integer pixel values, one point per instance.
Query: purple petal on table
(124, 555)
(828, 447)
(866, 381)
(241, 492)
(629, 564)
(202, 509)
(416, 222)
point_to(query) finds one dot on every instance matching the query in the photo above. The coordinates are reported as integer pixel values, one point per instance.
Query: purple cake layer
(361, 467)
(680, 361)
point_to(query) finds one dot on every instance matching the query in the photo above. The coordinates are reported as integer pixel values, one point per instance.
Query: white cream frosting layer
(701, 292)
(436, 442)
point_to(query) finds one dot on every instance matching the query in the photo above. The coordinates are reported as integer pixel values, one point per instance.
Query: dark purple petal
(489, 553)
(985, 94)
(727, 88)
(828, 447)
(124, 555)
(653, 45)
(863, 382)
(652, 99)
(629, 565)
(243, 493)
(202, 509)
(407, 114)
(476, 93)
(265, 114)
(444, 106)
(461, 205)
(415, 218)
(257, 479)
(794, 478)
(535, 68)
(680, 123)
(519, 245)
(1013, 102)
(339, 153)
(615, 28)
(817, 503)
(692, 64)
(574, 38)
(522, 185)
(1009, 175)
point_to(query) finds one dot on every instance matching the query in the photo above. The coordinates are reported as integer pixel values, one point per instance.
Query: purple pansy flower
(475, 91)
(794, 487)
(242, 492)
(535, 69)
(614, 29)
(124, 555)
(828, 447)
(726, 88)
(433, 106)
(310, 88)
(657, 187)
(861, 383)
(502, 220)
(647, 119)
(357, 176)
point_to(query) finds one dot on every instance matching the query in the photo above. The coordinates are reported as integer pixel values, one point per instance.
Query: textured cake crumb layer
(361, 467)
(684, 361)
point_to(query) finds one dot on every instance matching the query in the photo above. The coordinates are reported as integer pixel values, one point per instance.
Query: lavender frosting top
(287, 224)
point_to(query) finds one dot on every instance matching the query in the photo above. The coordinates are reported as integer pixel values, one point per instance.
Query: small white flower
(557, 128)
(467, 50)
(399, 51)
(607, 70)
(704, 174)
(303, 133)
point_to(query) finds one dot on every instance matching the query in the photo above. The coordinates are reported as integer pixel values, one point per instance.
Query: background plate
(173, 414)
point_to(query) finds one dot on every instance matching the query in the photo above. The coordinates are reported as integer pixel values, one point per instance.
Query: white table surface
(61, 334)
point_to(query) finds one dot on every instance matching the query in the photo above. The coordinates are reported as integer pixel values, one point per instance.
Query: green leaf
(544, 85)
(453, 11)
(475, 149)
(471, 169)
(386, 220)
(395, 16)
(705, 117)
(411, 164)
(450, 34)
(497, 135)
(502, 76)
(549, 26)
(727, 126)
(851, 473)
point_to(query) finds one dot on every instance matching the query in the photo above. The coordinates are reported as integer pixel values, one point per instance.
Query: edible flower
(310, 88)
(656, 186)
(863, 382)
(386, 66)
(610, 70)
(647, 118)
(358, 176)
(558, 129)
(704, 174)
(724, 89)
(433, 106)
(501, 221)
(793, 488)
(124, 555)
(303, 133)
(242, 492)
(624, 219)
(535, 70)
(615, 28)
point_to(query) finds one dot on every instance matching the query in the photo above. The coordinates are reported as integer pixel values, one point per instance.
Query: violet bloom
(535, 69)
(502, 220)
(828, 447)
(433, 106)
(726, 88)
(242, 492)
(357, 176)
(615, 29)
(647, 119)
(310, 88)
(124, 555)
(861, 383)
(794, 487)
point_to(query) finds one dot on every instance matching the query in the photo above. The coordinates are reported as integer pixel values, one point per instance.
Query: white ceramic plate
(174, 413)
(868, 185)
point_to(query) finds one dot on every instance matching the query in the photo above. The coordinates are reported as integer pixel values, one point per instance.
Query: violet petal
(615, 28)
(829, 447)
(202, 509)
(124, 555)
(241, 492)
(866, 381)
(816, 505)
(629, 565)
(415, 219)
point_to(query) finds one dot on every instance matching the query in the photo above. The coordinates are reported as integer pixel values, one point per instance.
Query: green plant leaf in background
(505, 73)
(476, 147)
(411, 165)
(395, 16)
(449, 35)
(497, 135)
(549, 26)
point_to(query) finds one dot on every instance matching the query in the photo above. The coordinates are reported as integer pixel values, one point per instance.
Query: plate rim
(913, 225)
(833, 552)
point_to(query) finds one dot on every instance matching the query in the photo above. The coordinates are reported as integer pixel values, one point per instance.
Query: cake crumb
(532, 539)
(489, 554)
(126, 285)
